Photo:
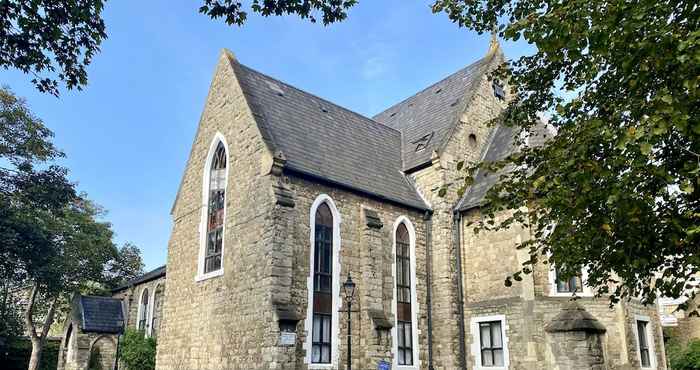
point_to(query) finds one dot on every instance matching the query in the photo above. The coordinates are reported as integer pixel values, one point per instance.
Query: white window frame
(414, 296)
(218, 138)
(335, 291)
(139, 312)
(650, 338)
(586, 291)
(476, 342)
(151, 309)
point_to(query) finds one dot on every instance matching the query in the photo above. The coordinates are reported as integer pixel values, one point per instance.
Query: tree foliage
(126, 265)
(51, 40)
(684, 357)
(617, 189)
(138, 351)
(53, 241)
(234, 13)
(55, 41)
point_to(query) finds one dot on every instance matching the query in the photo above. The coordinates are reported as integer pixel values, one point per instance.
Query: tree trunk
(37, 351)
(38, 340)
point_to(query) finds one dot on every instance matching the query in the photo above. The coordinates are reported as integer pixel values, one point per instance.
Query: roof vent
(275, 87)
(438, 91)
(323, 109)
(422, 142)
(393, 114)
(454, 102)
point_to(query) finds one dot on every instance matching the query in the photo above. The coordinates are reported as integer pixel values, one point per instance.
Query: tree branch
(28, 312)
(49, 318)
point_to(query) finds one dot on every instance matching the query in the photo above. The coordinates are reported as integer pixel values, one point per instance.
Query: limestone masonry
(285, 195)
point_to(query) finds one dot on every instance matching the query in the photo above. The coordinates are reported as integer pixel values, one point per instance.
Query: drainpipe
(460, 289)
(428, 283)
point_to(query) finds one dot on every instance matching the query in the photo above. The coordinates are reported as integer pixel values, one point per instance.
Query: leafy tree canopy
(617, 189)
(53, 241)
(55, 41)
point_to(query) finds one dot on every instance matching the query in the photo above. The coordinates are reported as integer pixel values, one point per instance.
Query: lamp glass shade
(349, 288)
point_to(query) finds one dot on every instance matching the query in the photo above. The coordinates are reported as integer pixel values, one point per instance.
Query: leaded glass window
(216, 207)
(491, 342)
(143, 318)
(404, 318)
(323, 282)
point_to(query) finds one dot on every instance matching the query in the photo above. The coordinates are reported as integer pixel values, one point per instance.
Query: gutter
(428, 283)
(457, 243)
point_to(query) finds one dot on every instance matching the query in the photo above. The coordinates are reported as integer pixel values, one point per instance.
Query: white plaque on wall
(287, 338)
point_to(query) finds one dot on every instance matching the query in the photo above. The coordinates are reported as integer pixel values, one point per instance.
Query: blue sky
(127, 135)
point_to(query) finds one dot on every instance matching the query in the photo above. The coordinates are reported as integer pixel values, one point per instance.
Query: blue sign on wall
(383, 365)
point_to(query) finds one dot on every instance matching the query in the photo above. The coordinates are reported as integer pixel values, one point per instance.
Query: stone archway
(103, 351)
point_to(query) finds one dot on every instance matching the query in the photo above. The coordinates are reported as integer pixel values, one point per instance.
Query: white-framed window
(143, 312)
(323, 285)
(405, 302)
(644, 335)
(559, 287)
(156, 300)
(212, 227)
(489, 342)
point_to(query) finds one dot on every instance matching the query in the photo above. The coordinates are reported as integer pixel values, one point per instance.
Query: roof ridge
(363, 117)
(431, 86)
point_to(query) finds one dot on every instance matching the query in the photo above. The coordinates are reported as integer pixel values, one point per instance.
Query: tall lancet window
(143, 311)
(215, 215)
(404, 321)
(323, 286)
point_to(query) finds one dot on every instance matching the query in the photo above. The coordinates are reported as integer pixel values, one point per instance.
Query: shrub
(684, 358)
(137, 352)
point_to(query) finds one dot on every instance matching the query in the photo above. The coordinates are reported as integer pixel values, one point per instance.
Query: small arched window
(143, 311)
(215, 213)
(404, 317)
(323, 283)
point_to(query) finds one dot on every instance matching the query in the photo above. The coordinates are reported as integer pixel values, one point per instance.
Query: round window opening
(472, 140)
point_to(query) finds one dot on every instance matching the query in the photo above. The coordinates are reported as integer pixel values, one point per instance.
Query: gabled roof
(100, 314)
(500, 145)
(325, 141)
(151, 275)
(427, 119)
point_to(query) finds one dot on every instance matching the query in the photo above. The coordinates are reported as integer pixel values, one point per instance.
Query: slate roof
(101, 314)
(428, 117)
(328, 142)
(501, 144)
(151, 275)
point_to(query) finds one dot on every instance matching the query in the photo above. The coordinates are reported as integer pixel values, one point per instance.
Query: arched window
(215, 211)
(405, 332)
(156, 308)
(323, 282)
(403, 296)
(143, 311)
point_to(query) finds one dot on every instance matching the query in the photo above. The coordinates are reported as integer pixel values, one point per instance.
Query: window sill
(209, 275)
(491, 368)
(407, 367)
(321, 366)
(570, 295)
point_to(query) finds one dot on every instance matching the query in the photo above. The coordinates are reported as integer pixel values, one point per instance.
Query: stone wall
(78, 347)
(131, 297)
(466, 144)
(528, 305)
(366, 252)
(222, 322)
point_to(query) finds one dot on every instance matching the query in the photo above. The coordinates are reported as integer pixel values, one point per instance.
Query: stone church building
(286, 194)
